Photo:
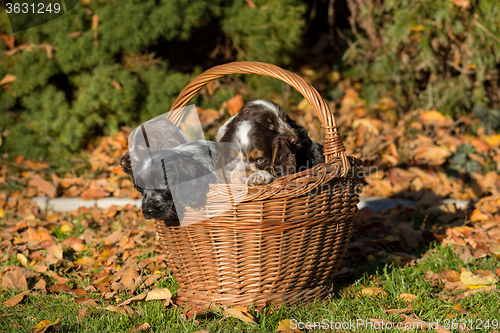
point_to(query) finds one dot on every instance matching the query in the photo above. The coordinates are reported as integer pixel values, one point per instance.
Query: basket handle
(333, 146)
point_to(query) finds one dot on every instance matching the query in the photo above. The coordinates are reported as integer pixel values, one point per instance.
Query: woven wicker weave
(283, 242)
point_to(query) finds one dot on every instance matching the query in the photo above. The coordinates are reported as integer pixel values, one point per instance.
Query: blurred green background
(111, 63)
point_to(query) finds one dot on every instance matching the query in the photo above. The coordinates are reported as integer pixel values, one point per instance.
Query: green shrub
(427, 54)
(73, 82)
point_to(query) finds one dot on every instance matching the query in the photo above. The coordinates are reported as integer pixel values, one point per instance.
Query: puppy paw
(260, 178)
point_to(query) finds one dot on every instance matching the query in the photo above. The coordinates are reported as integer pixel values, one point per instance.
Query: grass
(346, 304)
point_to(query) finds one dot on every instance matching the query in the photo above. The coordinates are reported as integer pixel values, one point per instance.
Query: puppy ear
(189, 181)
(283, 161)
(126, 164)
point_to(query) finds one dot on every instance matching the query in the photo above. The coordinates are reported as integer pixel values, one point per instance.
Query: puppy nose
(148, 213)
(293, 140)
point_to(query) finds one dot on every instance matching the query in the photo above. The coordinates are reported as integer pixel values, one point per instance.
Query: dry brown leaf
(8, 78)
(450, 275)
(432, 117)
(163, 294)
(235, 104)
(286, 326)
(241, 313)
(478, 216)
(116, 84)
(143, 328)
(87, 302)
(461, 3)
(373, 291)
(82, 313)
(408, 297)
(95, 192)
(16, 299)
(14, 280)
(459, 308)
(43, 186)
(208, 116)
(126, 310)
(250, 3)
(135, 299)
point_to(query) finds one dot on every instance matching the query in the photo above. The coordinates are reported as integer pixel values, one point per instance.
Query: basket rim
(333, 145)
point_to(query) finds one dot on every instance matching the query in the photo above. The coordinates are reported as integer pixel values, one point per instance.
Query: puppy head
(153, 135)
(169, 182)
(252, 147)
(268, 114)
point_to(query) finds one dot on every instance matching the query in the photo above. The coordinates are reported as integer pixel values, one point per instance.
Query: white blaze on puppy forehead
(243, 133)
(268, 105)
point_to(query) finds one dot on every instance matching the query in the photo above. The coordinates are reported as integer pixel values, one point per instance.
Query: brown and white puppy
(254, 154)
(271, 115)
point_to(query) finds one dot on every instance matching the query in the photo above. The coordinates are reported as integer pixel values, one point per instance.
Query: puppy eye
(162, 185)
(260, 160)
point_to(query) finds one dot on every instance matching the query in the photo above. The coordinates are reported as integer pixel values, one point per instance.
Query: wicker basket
(283, 242)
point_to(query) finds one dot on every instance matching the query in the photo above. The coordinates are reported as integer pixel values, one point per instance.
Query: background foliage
(111, 63)
(440, 54)
(106, 63)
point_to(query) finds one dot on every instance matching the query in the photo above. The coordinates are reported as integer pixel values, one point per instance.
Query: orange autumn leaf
(241, 313)
(95, 192)
(43, 186)
(432, 117)
(450, 275)
(235, 104)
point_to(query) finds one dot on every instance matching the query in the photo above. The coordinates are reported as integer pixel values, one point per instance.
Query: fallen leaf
(16, 299)
(398, 311)
(45, 326)
(459, 308)
(14, 280)
(241, 313)
(461, 3)
(162, 294)
(22, 259)
(43, 186)
(450, 275)
(8, 78)
(285, 326)
(126, 310)
(135, 299)
(86, 301)
(473, 280)
(142, 328)
(95, 192)
(478, 216)
(408, 297)
(373, 291)
(432, 117)
(82, 313)
(235, 104)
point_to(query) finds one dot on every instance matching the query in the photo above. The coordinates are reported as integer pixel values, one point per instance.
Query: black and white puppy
(172, 179)
(252, 153)
(155, 134)
(307, 153)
